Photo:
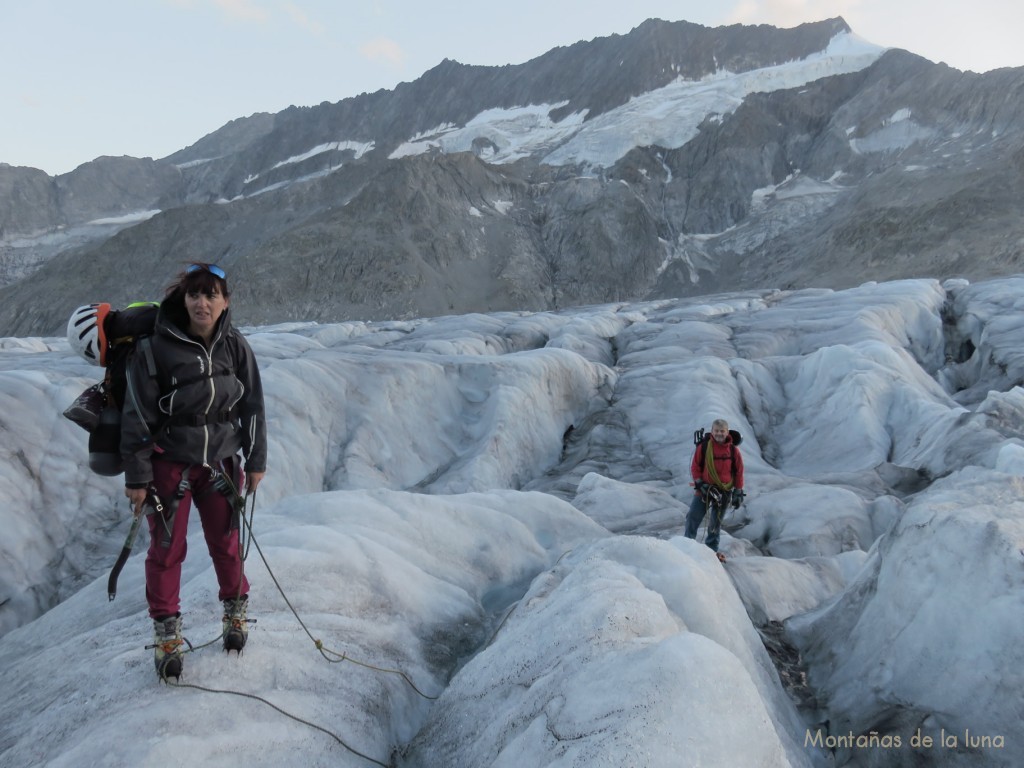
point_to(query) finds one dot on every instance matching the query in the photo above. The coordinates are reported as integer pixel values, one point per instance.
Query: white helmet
(86, 334)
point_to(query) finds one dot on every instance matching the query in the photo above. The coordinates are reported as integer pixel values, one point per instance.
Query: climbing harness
(714, 503)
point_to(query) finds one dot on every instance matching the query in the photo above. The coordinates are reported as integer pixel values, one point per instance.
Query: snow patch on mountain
(893, 136)
(503, 135)
(793, 186)
(196, 163)
(670, 116)
(667, 117)
(360, 148)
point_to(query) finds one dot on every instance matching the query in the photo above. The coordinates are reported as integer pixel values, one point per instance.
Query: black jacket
(201, 405)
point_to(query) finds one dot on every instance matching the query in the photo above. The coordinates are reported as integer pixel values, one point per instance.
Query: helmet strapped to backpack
(86, 332)
(109, 338)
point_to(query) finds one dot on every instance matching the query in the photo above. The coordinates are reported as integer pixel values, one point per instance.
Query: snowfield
(468, 548)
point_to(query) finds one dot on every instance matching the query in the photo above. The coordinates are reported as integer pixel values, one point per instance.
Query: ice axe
(151, 505)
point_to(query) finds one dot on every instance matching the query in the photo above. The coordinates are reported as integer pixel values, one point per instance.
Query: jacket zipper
(209, 404)
(213, 390)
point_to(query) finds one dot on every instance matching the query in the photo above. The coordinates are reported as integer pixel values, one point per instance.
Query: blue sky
(148, 77)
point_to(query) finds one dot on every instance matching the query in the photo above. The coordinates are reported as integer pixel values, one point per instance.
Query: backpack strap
(146, 345)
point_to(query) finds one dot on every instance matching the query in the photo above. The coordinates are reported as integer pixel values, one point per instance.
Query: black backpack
(98, 409)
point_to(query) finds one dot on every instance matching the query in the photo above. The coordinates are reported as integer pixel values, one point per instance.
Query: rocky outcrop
(41, 216)
(107, 187)
(28, 201)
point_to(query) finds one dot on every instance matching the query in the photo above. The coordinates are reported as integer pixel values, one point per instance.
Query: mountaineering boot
(721, 557)
(166, 646)
(236, 627)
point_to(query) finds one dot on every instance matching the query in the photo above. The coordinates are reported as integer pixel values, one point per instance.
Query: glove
(700, 486)
(737, 498)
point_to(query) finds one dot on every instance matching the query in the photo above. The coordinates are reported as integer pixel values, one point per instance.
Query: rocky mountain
(670, 161)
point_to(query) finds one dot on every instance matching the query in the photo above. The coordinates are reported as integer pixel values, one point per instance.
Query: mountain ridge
(821, 160)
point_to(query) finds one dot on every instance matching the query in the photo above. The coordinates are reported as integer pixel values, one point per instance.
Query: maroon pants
(168, 534)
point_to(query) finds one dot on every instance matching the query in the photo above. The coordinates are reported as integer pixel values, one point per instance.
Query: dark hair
(189, 280)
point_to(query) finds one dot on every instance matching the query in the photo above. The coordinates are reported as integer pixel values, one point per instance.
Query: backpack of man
(108, 338)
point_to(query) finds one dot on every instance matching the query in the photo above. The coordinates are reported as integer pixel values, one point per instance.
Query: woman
(193, 400)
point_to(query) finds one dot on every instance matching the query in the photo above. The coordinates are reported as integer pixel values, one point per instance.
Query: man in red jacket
(717, 468)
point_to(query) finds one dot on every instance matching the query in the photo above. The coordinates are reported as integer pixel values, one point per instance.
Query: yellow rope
(317, 643)
(709, 462)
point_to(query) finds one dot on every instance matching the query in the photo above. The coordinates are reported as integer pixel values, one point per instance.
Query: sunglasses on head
(213, 269)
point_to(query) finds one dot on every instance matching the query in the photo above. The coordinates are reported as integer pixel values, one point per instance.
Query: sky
(146, 78)
(425, 513)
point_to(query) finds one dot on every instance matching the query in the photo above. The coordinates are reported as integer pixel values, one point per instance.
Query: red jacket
(728, 463)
